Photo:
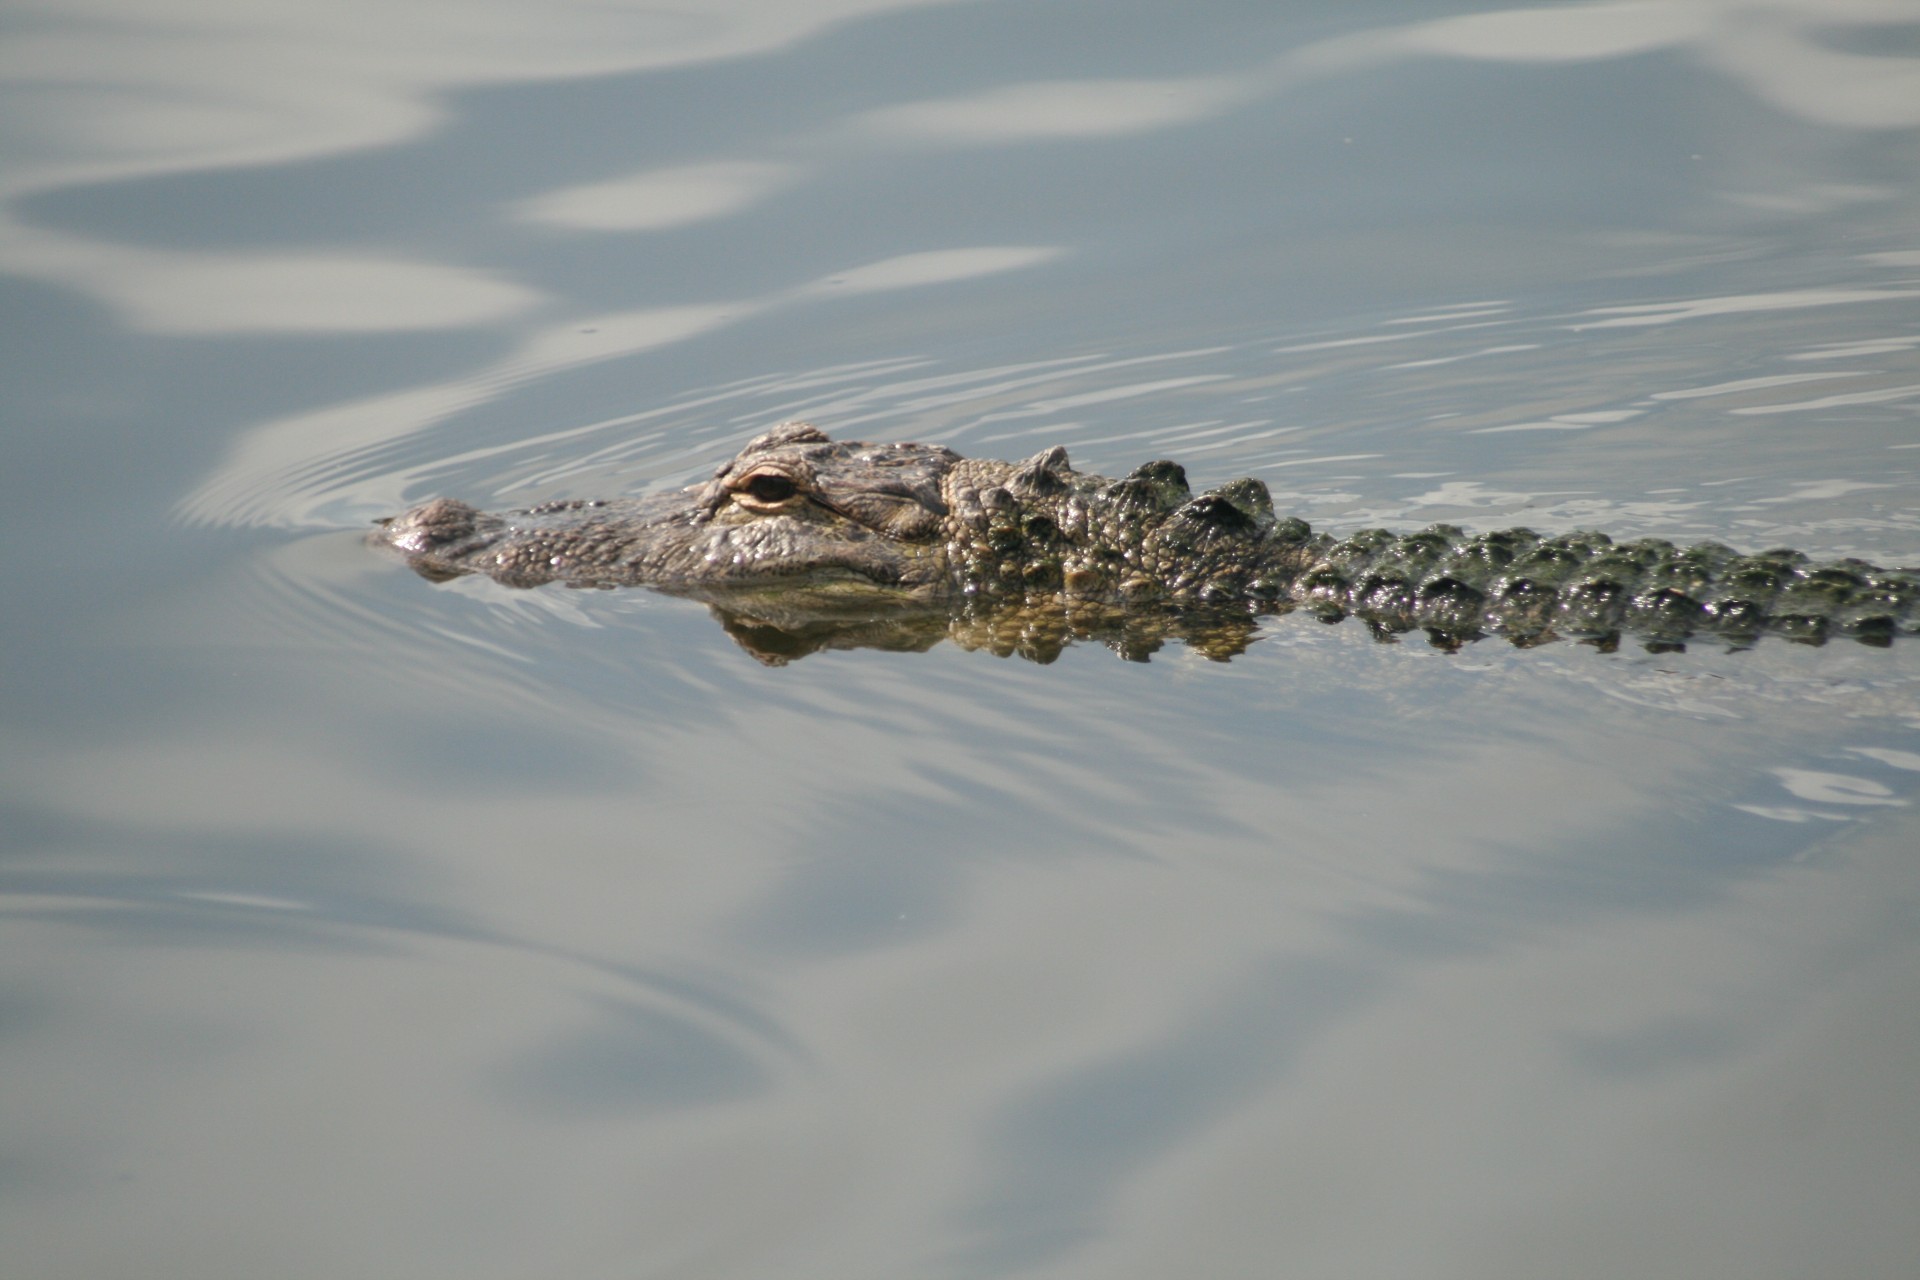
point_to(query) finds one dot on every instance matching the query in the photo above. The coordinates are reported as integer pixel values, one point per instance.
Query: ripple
(741, 1049)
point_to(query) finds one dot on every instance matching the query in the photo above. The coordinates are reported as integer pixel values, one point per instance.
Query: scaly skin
(800, 535)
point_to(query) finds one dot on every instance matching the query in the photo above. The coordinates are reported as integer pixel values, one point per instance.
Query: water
(357, 925)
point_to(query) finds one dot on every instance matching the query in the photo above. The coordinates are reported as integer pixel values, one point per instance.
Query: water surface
(360, 925)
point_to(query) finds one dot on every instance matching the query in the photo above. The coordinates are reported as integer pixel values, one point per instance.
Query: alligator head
(792, 508)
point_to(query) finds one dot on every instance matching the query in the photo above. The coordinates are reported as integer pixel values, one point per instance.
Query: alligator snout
(435, 536)
(430, 526)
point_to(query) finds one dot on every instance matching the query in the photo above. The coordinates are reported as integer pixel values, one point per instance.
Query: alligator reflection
(1036, 633)
(776, 634)
(802, 543)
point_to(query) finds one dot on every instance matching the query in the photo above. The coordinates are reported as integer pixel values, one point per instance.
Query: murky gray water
(354, 925)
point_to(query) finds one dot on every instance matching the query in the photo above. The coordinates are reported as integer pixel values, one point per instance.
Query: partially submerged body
(825, 541)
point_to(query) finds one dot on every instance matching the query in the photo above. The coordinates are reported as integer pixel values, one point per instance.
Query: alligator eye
(769, 487)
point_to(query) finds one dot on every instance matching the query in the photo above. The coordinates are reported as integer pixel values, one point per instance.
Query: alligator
(802, 542)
